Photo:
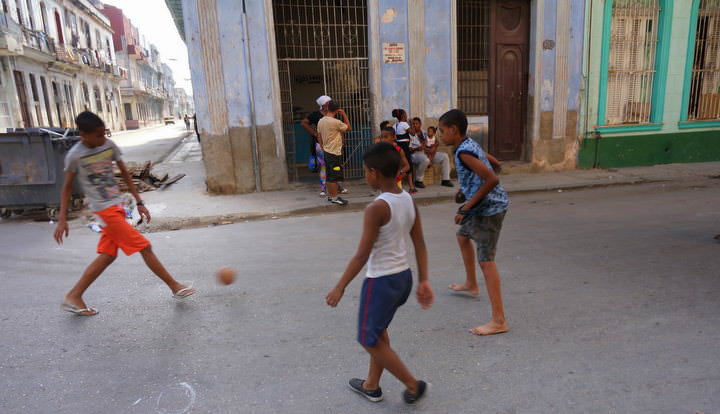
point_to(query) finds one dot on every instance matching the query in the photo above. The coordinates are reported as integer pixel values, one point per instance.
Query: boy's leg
(386, 357)
(94, 269)
(154, 264)
(468, 255)
(492, 281)
(375, 371)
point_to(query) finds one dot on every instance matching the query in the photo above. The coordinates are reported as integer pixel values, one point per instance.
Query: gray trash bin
(31, 172)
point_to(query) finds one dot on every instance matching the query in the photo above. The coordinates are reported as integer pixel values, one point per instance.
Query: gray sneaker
(356, 384)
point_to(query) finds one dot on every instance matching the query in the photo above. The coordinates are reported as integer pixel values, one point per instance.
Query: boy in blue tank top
(388, 281)
(480, 218)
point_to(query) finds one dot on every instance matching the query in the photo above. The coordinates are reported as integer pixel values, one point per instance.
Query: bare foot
(490, 328)
(465, 288)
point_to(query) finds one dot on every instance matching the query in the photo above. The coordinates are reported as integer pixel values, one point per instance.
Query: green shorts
(485, 231)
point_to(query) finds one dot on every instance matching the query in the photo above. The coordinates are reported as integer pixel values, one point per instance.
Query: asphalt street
(150, 144)
(612, 297)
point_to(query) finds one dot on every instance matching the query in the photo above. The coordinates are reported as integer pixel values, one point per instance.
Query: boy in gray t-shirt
(91, 161)
(94, 169)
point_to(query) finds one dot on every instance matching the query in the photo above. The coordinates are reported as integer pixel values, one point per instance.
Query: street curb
(172, 149)
(180, 223)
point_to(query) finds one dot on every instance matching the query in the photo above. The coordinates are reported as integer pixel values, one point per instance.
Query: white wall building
(56, 60)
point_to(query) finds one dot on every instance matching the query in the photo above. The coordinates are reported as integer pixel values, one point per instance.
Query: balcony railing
(39, 41)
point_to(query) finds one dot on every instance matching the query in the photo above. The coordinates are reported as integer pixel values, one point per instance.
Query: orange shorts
(117, 232)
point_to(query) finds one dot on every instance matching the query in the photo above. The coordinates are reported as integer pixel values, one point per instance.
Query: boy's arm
(144, 213)
(424, 293)
(375, 215)
(494, 162)
(62, 226)
(346, 121)
(490, 180)
(306, 124)
(320, 140)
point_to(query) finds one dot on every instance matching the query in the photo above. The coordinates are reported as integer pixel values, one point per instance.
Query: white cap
(323, 100)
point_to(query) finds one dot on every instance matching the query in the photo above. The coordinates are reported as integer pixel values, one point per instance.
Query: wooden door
(509, 75)
(22, 98)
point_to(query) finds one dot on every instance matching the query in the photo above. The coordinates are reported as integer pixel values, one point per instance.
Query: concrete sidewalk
(186, 204)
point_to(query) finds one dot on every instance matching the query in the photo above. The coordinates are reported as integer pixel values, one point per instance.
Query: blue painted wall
(547, 96)
(575, 54)
(438, 55)
(233, 55)
(395, 79)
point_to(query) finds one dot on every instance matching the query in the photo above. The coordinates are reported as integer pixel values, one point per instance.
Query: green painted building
(652, 83)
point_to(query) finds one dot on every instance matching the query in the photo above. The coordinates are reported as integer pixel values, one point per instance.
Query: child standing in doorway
(480, 218)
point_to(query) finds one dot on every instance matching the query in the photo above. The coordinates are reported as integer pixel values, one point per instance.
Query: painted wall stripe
(561, 68)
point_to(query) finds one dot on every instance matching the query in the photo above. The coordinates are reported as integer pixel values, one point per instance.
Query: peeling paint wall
(395, 77)
(423, 84)
(234, 96)
(554, 102)
(437, 63)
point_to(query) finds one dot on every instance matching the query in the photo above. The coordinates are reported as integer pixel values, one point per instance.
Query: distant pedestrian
(91, 161)
(195, 125)
(330, 131)
(402, 134)
(388, 282)
(187, 122)
(480, 218)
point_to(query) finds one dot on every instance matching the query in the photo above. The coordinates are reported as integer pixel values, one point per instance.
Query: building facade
(56, 61)
(148, 87)
(183, 103)
(514, 66)
(654, 83)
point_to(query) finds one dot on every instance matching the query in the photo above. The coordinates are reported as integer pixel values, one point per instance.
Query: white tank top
(389, 254)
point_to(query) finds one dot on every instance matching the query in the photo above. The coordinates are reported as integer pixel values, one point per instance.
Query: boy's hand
(333, 297)
(144, 214)
(459, 218)
(62, 227)
(425, 295)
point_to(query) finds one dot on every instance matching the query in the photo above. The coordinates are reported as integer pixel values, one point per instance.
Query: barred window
(705, 81)
(631, 70)
(473, 56)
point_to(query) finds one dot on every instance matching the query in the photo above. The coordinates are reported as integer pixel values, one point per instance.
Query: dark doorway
(492, 62)
(22, 98)
(322, 50)
(509, 72)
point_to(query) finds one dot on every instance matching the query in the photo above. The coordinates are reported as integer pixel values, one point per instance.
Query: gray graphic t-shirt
(94, 168)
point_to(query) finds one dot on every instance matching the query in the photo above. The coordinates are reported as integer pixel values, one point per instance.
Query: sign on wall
(394, 52)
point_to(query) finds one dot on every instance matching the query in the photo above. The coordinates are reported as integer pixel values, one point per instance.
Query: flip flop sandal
(179, 293)
(69, 307)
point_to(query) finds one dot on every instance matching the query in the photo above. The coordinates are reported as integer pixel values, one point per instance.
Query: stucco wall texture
(236, 86)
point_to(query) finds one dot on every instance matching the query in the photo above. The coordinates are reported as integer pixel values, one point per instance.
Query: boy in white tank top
(388, 282)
